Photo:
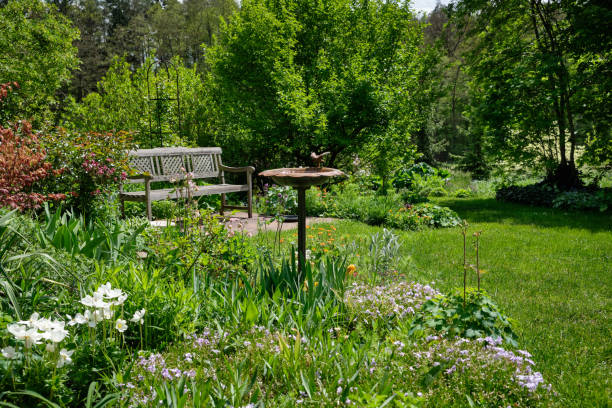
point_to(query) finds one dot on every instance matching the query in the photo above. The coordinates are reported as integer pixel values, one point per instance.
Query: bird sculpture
(316, 158)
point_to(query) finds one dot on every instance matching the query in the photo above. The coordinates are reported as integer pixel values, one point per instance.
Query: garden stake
(477, 235)
(464, 232)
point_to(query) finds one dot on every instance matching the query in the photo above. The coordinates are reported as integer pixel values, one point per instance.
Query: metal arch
(153, 67)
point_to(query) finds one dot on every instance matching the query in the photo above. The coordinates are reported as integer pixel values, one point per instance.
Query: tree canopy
(541, 79)
(38, 54)
(302, 76)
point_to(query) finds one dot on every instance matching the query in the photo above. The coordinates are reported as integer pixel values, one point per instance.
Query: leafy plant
(96, 240)
(23, 165)
(94, 164)
(540, 194)
(383, 251)
(277, 200)
(478, 317)
(419, 173)
(584, 200)
(462, 193)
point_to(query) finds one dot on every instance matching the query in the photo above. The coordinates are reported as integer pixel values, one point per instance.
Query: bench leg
(221, 211)
(122, 207)
(250, 203)
(149, 212)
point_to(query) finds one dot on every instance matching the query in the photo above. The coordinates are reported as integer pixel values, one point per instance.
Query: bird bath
(302, 178)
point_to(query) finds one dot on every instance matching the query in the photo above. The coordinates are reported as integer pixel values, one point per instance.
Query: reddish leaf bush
(22, 165)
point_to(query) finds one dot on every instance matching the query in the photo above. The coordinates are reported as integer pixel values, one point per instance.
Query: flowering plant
(95, 163)
(42, 349)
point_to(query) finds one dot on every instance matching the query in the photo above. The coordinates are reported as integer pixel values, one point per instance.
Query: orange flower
(350, 270)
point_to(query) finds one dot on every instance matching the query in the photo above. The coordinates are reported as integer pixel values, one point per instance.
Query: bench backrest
(165, 163)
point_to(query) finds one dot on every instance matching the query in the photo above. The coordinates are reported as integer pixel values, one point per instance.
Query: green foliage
(533, 66)
(126, 101)
(201, 245)
(383, 251)
(38, 54)
(462, 193)
(315, 285)
(324, 77)
(91, 163)
(405, 177)
(546, 195)
(96, 240)
(351, 201)
(541, 194)
(478, 316)
(436, 216)
(584, 200)
(277, 200)
(420, 181)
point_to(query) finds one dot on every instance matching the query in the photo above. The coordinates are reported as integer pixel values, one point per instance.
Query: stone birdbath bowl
(302, 178)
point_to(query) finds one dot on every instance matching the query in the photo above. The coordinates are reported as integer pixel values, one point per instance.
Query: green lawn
(550, 270)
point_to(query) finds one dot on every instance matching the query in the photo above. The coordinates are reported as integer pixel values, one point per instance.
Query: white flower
(108, 313)
(31, 321)
(78, 319)
(9, 353)
(138, 316)
(121, 325)
(50, 347)
(29, 336)
(64, 357)
(56, 335)
(120, 299)
(97, 301)
(93, 318)
(16, 330)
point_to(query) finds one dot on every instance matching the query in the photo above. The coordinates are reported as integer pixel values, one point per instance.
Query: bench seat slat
(172, 194)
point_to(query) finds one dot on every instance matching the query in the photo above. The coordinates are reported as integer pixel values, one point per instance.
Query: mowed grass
(550, 270)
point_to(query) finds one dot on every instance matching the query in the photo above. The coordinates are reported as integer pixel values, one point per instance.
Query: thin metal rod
(301, 228)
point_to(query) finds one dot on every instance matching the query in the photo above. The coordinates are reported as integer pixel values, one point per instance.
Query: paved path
(239, 221)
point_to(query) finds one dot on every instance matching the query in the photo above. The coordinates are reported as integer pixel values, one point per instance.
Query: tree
(124, 102)
(37, 52)
(536, 83)
(293, 76)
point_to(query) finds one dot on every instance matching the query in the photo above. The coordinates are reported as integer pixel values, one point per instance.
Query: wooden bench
(171, 163)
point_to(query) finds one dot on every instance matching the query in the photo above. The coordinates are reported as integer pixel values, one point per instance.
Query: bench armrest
(140, 176)
(247, 169)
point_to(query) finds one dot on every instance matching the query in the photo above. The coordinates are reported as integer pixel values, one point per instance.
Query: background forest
(520, 84)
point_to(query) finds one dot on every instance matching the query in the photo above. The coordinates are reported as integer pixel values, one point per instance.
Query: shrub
(477, 316)
(277, 200)
(462, 193)
(201, 245)
(23, 164)
(546, 195)
(95, 163)
(584, 200)
(405, 177)
(540, 194)
(436, 216)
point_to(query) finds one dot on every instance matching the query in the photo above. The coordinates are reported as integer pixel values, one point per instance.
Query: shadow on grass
(477, 210)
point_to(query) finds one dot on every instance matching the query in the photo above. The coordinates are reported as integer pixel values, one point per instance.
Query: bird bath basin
(302, 178)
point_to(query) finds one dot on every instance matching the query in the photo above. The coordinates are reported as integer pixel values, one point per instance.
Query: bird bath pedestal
(301, 179)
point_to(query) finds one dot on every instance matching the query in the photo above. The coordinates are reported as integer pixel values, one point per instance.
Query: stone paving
(239, 221)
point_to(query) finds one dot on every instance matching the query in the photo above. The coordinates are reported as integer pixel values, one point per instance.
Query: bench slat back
(167, 163)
